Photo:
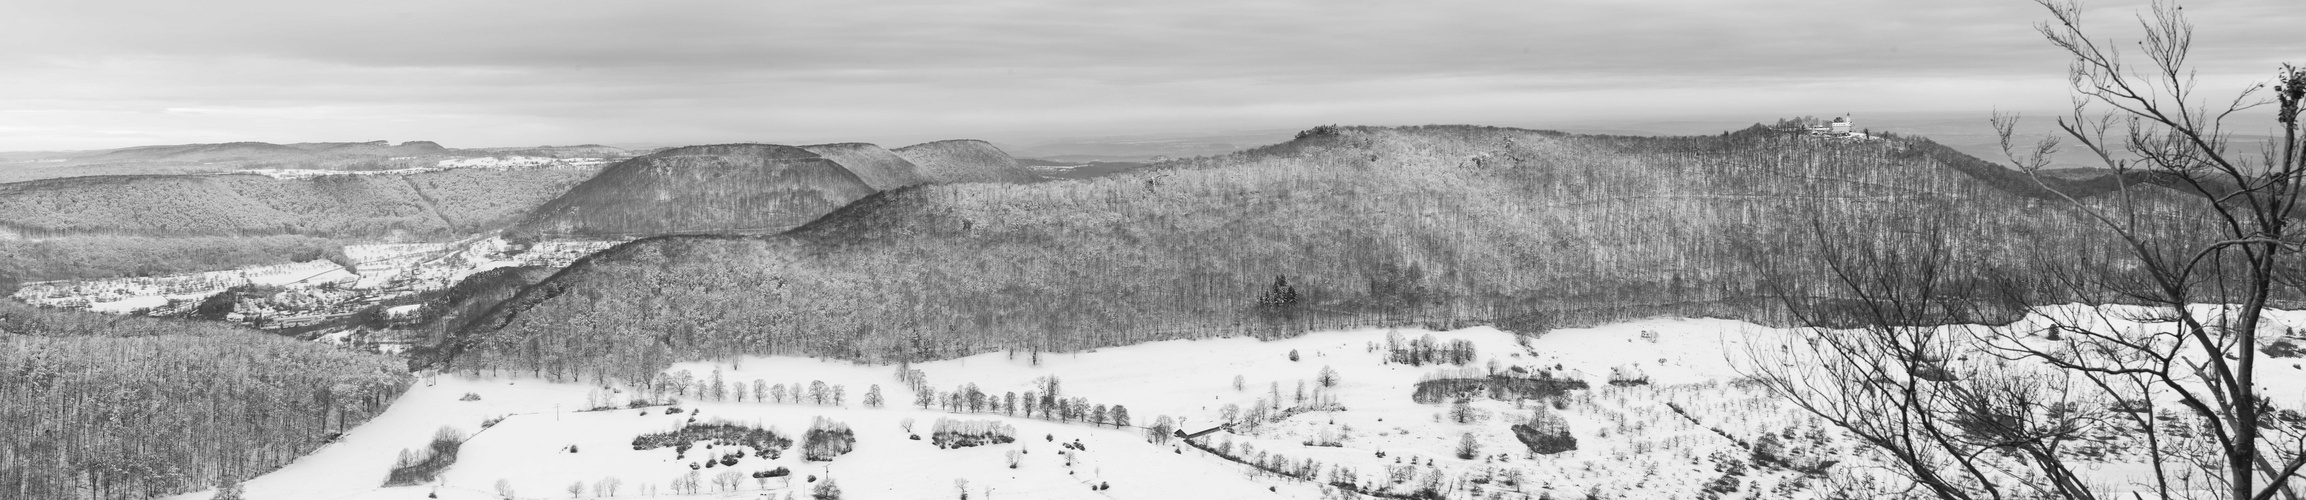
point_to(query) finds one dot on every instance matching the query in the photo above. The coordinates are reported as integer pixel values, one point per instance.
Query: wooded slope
(1438, 226)
(439, 203)
(758, 188)
(108, 226)
(110, 407)
(876, 166)
(965, 160)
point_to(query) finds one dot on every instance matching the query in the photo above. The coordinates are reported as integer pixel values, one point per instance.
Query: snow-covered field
(1628, 443)
(1691, 429)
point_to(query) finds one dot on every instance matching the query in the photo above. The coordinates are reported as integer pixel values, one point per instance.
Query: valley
(906, 250)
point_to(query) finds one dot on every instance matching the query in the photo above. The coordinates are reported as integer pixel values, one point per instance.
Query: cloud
(529, 71)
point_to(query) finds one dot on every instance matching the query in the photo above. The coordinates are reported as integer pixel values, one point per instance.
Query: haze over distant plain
(90, 75)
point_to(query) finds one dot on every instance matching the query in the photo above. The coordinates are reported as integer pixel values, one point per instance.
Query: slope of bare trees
(1436, 226)
(104, 407)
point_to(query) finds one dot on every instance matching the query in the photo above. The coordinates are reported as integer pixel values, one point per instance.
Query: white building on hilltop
(1840, 126)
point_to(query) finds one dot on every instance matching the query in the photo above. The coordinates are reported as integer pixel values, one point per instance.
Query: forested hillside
(755, 188)
(226, 157)
(265, 152)
(108, 407)
(879, 168)
(965, 160)
(448, 310)
(429, 204)
(1355, 226)
(111, 256)
(106, 226)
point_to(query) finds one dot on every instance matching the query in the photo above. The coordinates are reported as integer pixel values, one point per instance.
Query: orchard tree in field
(682, 381)
(819, 392)
(1991, 412)
(1162, 427)
(1120, 416)
(826, 490)
(873, 396)
(1328, 377)
(719, 389)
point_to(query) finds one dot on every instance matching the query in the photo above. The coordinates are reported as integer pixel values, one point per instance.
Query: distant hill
(231, 151)
(259, 152)
(878, 167)
(576, 151)
(142, 225)
(232, 156)
(731, 188)
(964, 160)
(1434, 226)
(1052, 169)
(1143, 148)
(429, 204)
(374, 148)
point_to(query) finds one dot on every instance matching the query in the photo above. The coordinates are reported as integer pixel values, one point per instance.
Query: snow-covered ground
(123, 295)
(379, 272)
(1687, 430)
(1628, 443)
(510, 162)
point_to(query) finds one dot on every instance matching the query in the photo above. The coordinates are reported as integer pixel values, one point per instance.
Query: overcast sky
(469, 73)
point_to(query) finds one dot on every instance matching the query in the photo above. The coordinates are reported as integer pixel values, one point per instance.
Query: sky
(473, 73)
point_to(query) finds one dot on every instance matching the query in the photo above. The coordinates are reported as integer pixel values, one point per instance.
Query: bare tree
(1975, 412)
(1953, 427)
(2203, 360)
